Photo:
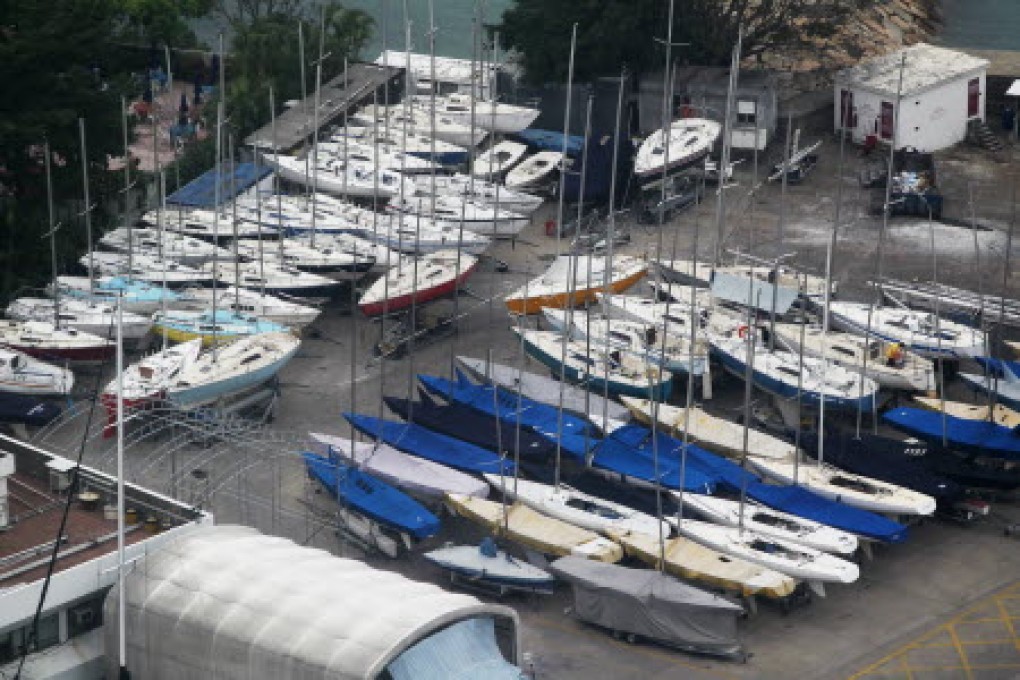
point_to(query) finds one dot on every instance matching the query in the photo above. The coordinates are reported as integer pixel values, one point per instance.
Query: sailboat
(488, 114)
(523, 525)
(278, 279)
(434, 276)
(146, 381)
(915, 330)
(167, 245)
(857, 354)
(320, 258)
(386, 158)
(691, 561)
(1001, 415)
(421, 121)
(578, 402)
(354, 178)
(600, 371)
(371, 497)
(22, 374)
(690, 141)
(42, 340)
(642, 340)
(417, 476)
(573, 280)
(408, 141)
(453, 213)
(976, 436)
(674, 316)
(497, 160)
(711, 432)
(854, 490)
(253, 304)
(234, 369)
(144, 267)
(208, 226)
(779, 373)
(219, 327)
(539, 172)
(773, 523)
(576, 507)
(795, 559)
(487, 564)
(95, 318)
(477, 189)
(438, 448)
(140, 297)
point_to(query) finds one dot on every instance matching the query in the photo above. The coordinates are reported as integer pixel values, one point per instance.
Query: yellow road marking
(949, 627)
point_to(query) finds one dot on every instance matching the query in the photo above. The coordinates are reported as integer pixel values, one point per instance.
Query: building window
(12, 643)
(886, 122)
(973, 97)
(84, 616)
(747, 113)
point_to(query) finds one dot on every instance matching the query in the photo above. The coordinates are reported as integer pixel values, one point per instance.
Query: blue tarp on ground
(201, 191)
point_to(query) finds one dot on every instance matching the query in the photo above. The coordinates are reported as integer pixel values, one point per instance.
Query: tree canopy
(265, 54)
(614, 33)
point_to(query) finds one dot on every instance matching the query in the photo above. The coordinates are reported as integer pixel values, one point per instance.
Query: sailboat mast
(162, 260)
(53, 235)
(121, 604)
(566, 134)
(780, 250)
(610, 238)
(1005, 287)
(830, 254)
(724, 159)
(233, 220)
(886, 209)
(938, 328)
(315, 121)
(88, 207)
(127, 186)
(750, 341)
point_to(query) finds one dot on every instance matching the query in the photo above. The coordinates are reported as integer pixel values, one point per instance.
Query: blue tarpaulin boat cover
(548, 140)
(578, 435)
(795, 500)
(979, 436)
(201, 191)
(433, 446)
(618, 455)
(1000, 367)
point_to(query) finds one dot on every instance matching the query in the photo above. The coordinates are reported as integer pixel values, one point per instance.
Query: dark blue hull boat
(419, 441)
(977, 436)
(474, 427)
(371, 497)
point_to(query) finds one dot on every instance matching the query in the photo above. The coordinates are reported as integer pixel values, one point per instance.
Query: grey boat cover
(543, 389)
(735, 289)
(653, 605)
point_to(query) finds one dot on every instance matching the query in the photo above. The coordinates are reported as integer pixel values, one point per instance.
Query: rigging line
(51, 565)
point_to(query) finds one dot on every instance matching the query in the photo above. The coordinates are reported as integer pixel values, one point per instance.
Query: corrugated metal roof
(201, 191)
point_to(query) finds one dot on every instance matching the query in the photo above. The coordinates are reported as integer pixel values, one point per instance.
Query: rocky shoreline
(882, 27)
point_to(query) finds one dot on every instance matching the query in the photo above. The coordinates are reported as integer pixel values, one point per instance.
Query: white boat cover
(654, 605)
(229, 602)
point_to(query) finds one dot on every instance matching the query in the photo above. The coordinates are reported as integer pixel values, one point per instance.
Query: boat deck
(35, 515)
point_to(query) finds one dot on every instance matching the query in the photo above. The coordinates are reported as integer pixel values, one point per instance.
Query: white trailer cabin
(942, 92)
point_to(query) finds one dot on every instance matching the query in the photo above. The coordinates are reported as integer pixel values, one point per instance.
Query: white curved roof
(228, 601)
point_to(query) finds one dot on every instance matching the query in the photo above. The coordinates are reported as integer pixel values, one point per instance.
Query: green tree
(160, 21)
(613, 33)
(265, 54)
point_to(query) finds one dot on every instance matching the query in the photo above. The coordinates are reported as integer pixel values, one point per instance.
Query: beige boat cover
(692, 561)
(711, 432)
(535, 530)
(1004, 415)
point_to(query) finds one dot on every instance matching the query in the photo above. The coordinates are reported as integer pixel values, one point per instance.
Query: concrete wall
(930, 121)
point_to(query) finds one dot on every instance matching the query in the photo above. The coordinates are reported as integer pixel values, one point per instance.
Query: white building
(942, 90)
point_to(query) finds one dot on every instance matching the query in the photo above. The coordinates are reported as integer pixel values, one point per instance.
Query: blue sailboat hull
(371, 497)
(421, 442)
(978, 436)
(204, 394)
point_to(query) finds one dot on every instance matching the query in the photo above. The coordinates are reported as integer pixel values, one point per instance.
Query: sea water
(981, 24)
